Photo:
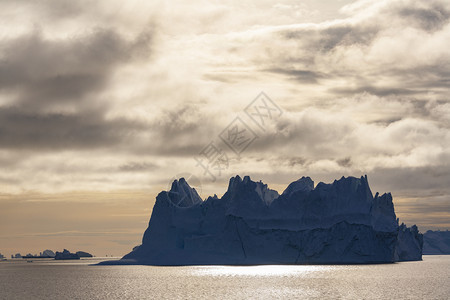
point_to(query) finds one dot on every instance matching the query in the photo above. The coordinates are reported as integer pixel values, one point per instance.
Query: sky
(104, 103)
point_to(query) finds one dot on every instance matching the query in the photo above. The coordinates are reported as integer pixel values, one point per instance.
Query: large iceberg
(337, 223)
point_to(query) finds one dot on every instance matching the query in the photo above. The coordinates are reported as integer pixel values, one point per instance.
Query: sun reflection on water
(266, 270)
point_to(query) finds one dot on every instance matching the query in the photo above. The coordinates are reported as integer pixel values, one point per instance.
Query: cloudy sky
(102, 103)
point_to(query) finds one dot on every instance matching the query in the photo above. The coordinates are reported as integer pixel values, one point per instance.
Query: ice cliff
(341, 222)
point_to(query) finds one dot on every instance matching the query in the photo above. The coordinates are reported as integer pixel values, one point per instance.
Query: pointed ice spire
(181, 194)
(239, 186)
(233, 183)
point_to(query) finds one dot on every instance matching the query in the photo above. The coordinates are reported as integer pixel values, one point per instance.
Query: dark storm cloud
(430, 18)
(43, 72)
(38, 75)
(36, 131)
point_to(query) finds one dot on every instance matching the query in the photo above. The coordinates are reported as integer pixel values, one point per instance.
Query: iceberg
(337, 223)
(409, 244)
(48, 253)
(83, 254)
(436, 242)
(66, 254)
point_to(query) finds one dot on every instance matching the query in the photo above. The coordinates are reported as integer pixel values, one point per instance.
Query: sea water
(50, 279)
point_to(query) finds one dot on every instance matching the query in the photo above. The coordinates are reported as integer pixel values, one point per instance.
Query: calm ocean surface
(49, 279)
